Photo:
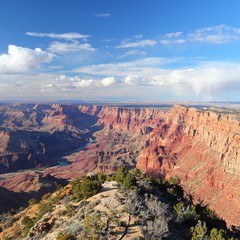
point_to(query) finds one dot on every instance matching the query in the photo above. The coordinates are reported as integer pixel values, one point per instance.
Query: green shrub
(217, 234)
(101, 177)
(27, 223)
(44, 208)
(93, 225)
(174, 180)
(121, 174)
(32, 201)
(137, 172)
(70, 210)
(85, 188)
(46, 196)
(65, 235)
(129, 181)
(199, 231)
(185, 212)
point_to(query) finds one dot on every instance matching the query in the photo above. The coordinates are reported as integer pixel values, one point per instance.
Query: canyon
(200, 146)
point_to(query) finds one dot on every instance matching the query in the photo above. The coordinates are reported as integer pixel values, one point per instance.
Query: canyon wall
(199, 146)
(38, 135)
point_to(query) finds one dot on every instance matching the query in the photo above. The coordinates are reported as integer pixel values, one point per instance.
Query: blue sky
(138, 50)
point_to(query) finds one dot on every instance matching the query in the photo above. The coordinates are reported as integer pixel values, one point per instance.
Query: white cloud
(173, 34)
(23, 60)
(63, 47)
(108, 81)
(208, 78)
(132, 53)
(172, 41)
(67, 83)
(137, 80)
(69, 42)
(104, 15)
(66, 36)
(84, 83)
(142, 66)
(137, 44)
(219, 34)
(203, 81)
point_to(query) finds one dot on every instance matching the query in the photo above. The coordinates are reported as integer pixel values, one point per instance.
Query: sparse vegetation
(32, 201)
(199, 231)
(121, 174)
(27, 223)
(158, 208)
(129, 181)
(46, 196)
(85, 187)
(65, 235)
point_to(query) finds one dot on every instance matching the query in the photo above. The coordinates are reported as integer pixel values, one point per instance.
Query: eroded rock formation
(200, 146)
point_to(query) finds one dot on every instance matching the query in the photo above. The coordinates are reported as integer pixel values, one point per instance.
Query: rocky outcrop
(42, 227)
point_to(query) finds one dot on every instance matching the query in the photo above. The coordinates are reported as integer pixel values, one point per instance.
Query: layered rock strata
(199, 146)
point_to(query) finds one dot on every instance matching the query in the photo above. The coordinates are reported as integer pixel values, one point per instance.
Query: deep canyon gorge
(200, 146)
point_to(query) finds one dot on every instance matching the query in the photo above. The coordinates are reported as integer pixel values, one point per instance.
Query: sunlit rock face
(201, 147)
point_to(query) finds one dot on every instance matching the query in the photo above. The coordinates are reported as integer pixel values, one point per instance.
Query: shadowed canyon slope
(35, 135)
(201, 147)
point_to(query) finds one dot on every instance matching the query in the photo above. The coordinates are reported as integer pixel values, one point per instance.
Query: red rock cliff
(201, 147)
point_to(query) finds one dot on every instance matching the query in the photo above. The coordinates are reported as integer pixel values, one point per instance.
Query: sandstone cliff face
(179, 129)
(129, 119)
(201, 147)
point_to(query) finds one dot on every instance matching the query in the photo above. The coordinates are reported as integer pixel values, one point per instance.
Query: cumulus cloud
(204, 80)
(66, 36)
(137, 80)
(108, 81)
(75, 83)
(219, 34)
(63, 47)
(23, 60)
(137, 44)
(208, 78)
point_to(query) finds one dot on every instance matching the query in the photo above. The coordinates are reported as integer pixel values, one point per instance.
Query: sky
(120, 50)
